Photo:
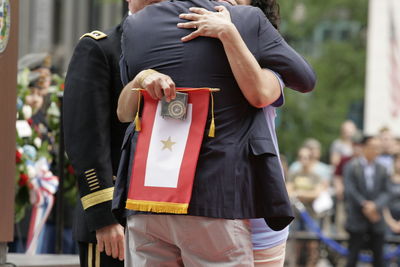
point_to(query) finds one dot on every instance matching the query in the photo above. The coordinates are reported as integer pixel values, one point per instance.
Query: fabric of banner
(166, 156)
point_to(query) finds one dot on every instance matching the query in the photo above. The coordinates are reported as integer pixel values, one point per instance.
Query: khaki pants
(270, 257)
(180, 240)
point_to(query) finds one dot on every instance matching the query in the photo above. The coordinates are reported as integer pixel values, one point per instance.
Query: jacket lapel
(359, 174)
(377, 177)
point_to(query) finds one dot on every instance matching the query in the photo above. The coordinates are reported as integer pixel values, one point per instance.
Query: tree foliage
(339, 63)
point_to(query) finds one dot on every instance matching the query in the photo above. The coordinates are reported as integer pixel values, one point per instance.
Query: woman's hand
(260, 87)
(207, 23)
(156, 84)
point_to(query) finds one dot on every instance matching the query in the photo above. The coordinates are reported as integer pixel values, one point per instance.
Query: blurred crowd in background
(321, 188)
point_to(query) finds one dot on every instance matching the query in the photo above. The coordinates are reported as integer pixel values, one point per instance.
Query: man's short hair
(364, 140)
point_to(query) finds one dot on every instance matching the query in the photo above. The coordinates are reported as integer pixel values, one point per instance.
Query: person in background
(341, 150)
(388, 146)
(323, 170)
(366, 195)
(338, 186)
(343, 146)
(317, 166)
(392, 212)
(306, 186)
(397, 146)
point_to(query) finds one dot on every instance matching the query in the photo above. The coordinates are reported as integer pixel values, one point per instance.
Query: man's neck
(366, 160)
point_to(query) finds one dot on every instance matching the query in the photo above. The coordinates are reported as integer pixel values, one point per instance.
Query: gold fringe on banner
(157, 207)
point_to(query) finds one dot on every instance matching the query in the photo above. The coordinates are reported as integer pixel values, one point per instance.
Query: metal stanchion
(3, 253)
(60, 192)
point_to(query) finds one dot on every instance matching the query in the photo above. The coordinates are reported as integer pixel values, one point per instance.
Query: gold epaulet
(97, 35)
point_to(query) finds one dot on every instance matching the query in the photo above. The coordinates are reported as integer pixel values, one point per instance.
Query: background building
(54, 26)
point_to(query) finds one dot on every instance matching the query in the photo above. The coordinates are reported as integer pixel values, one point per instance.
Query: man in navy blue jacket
(238, 174)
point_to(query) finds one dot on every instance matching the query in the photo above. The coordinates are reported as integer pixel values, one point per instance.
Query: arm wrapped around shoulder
(274, 53)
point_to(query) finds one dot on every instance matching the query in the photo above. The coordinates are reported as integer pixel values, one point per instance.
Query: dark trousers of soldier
(89, 256)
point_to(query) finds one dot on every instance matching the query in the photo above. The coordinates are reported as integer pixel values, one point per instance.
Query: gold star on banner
(168, 144)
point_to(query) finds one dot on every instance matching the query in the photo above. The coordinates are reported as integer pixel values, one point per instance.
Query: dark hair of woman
(270, 9)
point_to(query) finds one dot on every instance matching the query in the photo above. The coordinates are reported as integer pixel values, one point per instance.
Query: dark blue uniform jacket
(93, 134)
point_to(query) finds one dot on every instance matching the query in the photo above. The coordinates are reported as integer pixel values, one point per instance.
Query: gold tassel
(138, 125)
(211, 132)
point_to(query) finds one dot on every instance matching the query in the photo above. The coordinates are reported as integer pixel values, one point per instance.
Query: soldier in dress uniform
(93, 137)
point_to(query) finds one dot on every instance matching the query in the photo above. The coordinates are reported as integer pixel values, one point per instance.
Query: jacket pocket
(260, 146)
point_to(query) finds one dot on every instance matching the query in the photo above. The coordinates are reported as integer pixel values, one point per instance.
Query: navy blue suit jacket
(238, 173)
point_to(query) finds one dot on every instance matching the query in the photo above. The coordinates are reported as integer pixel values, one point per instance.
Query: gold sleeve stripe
(97, 260)
(94, 188)
(93, 185)
(91, 170)
(91, 175)
(90, 255)
(92, 182)
(97, 197)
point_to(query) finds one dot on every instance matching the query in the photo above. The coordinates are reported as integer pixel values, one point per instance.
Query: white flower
(27, 112)
(31, 171)
(23, 77)
(20, 150)
(53, 110)
(53, 89)
(37, 142)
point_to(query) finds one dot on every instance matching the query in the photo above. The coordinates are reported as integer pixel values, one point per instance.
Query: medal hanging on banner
(176, 108)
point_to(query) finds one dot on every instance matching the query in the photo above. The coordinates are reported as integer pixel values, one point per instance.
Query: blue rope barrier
(314, 227)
